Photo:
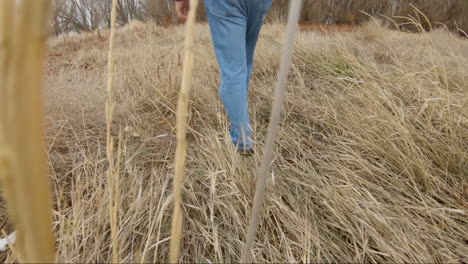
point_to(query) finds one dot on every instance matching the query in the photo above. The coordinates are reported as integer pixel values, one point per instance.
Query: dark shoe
(246, 152)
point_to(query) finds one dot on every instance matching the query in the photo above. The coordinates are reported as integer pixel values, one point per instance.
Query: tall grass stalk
(181, 151)
(113, 179)
(285, 65)
(23, 166)
(6, 22)
(6, 8)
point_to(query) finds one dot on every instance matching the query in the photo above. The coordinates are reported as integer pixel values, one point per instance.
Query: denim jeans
(235, 26)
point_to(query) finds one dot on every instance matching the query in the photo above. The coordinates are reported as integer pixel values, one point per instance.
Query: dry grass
(113, 171)
(182, 114)
(371, 163)
(23, 169)
(328, 28)
(273, 128)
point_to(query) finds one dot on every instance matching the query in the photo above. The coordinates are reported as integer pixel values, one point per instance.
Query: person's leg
(228, 25)
(256, 15)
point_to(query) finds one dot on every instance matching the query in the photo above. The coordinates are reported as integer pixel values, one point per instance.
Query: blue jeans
(235, 26)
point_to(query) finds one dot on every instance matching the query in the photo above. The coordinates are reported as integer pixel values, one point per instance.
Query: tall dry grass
(113, 172)
(5, 42)
(23, 171)
(370, 166)
(182, 112)
(273, 127)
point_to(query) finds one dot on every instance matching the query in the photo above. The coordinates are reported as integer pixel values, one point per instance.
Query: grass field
(371, 163)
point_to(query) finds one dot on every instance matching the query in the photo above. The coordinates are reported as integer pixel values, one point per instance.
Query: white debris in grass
(4, 242)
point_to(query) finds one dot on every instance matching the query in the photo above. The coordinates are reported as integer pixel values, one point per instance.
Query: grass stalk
(280, 91)
(181, 151)
(24, 171)
(6, 21)
(113, 179)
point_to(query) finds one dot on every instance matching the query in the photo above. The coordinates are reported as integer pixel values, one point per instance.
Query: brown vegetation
(371, 163)
(24, 178)
(328, 28)
(88, 15)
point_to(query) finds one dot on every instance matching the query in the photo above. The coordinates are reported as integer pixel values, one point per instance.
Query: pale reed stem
(113, 179)
(6, 20)
(181, 151)
(23, 166)
(285, 65)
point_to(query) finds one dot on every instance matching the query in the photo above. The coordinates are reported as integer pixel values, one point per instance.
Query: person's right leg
(228, 24)
(257, 11)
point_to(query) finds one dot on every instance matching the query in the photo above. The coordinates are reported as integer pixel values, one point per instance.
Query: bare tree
(87, 15)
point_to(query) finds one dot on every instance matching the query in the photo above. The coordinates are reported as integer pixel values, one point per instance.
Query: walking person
(235, 26)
